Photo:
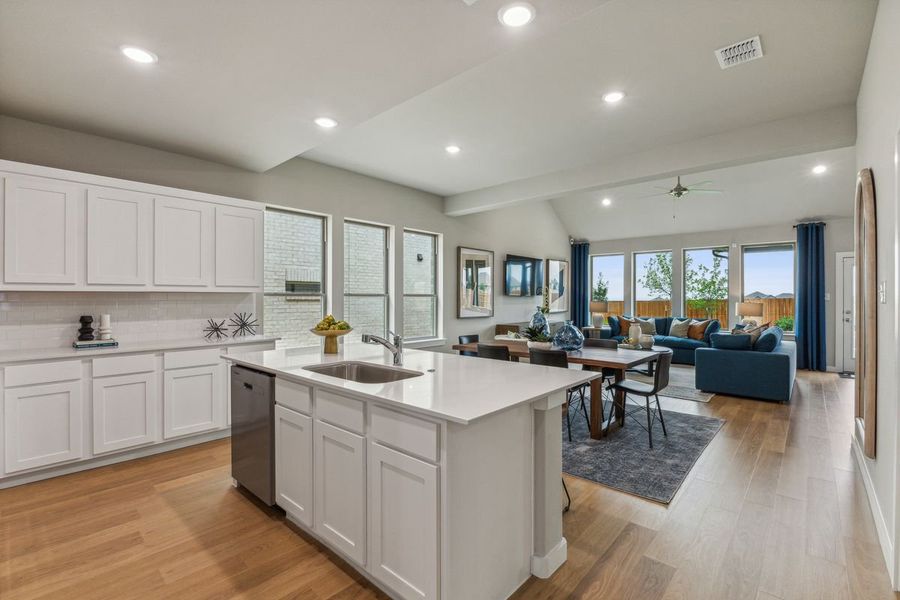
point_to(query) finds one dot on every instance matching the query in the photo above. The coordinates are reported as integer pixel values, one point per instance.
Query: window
(653, 284)
(366, 296)
(608, 281)
(706, 284)
(768, 278)
(294, 288)
(420, 307)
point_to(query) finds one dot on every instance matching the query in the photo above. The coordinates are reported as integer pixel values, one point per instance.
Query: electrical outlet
(882, 291)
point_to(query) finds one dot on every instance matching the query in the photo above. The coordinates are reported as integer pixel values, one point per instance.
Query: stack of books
(95, 344)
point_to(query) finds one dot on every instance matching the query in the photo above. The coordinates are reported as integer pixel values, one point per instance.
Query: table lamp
(599, 307)
(749, 309)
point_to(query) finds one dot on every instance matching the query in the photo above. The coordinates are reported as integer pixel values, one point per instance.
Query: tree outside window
(706, 283)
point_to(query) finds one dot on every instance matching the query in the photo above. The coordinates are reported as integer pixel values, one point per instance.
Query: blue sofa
(731, 366)
(682, 348)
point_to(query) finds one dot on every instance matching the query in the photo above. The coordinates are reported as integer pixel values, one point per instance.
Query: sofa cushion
(679, 328)
(613, 325)
(769, 339)
(685, 343)
(697, 329)
(731, 341)
(663, 324)
(713, 327)
(648, 326)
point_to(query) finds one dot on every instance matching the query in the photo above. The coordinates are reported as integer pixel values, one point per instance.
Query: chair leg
(568, 415)
(587, 418)
(649, 422)
(568, 497)
(661, 420)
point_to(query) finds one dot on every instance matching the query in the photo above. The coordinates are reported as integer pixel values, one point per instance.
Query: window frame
(793, 245)
(436, 239)
(634, 279)
(684, 251)
(387, 271)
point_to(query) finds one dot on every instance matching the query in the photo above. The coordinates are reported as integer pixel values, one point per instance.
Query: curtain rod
(812, 223)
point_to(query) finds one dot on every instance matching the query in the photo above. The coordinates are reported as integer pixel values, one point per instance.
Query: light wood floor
(773, 509)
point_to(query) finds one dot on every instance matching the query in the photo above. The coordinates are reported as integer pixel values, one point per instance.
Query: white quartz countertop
(38, 354)
(454, 388)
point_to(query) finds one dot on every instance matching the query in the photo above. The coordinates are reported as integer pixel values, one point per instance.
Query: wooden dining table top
(619, 358)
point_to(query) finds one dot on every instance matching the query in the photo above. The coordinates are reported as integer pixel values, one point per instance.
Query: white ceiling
(241, 81)
(771, 192)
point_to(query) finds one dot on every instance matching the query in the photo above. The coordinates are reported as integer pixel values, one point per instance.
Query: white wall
(878, 118)
(530, 229)
(838, 238)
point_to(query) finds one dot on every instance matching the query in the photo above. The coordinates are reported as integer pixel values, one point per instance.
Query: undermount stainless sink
(361, 372)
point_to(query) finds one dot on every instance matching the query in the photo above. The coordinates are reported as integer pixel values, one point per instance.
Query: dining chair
(495, 351)
(639, 388)
(468, 339)
(559, 358)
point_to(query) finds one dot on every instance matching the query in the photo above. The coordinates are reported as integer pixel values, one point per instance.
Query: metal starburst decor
(214, 330)
(243, 324)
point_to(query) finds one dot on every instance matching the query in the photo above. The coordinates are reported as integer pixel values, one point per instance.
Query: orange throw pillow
(625, 325)
(697, 330)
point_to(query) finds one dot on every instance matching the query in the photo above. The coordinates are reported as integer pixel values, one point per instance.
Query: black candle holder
(86, 331)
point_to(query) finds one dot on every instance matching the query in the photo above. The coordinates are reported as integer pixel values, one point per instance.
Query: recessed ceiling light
(613, 97)
(325, 122)
(516, 14)
(139, 54)
(452, 149)
(606, 202)
(819, 169)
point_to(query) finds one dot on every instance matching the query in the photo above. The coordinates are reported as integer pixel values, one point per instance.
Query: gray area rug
(681, 384)
(624, 461)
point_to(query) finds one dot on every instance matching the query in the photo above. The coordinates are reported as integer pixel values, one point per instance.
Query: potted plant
(537, 338)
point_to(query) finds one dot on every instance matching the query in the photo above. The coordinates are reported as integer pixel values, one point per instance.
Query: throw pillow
(754, 335)
(614, 327)
(679, 328)
(728, 341)
(625, 325)
(648, 326)
(697, 329)
(769, 339)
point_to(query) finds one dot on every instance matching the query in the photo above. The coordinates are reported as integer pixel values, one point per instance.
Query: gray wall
(529, 229)
(838, 238)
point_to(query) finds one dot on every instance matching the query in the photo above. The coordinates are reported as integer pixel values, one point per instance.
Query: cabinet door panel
(294, 463)
(40, 231)
(403, 520)
(239, 247)
(182, 242)
(125, 409)
(340, 508)
(42, 425)
(193, 401)
(118, 230)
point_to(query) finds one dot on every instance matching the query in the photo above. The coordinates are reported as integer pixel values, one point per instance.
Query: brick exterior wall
(418, 278)
(365, 271)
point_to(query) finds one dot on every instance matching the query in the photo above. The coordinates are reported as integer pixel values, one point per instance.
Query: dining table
(619, 360)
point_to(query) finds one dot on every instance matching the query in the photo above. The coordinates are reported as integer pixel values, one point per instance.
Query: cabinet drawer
(124, 365)
(405, 432)
(46, 372)
(192, 358)
(340, 410)
(294, 396)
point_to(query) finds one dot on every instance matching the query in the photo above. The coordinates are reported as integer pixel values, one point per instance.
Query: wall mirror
(475, 283)
(558, 284)
(866, 304)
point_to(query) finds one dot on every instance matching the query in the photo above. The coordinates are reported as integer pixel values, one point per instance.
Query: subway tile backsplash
(50, 319)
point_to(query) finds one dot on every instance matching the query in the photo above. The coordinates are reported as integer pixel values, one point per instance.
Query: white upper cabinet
(183, 242)
(118, 232)
(239, 247)
(41, 231)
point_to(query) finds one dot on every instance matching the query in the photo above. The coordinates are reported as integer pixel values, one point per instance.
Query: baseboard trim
(545, 566)
(884, 537)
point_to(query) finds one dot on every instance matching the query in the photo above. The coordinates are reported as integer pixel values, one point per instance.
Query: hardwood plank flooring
(773, 510)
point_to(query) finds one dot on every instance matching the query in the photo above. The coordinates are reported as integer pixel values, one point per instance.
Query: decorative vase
(539, 321)
(105, 330)
(634, 334)
(568, 337)
(86, 331)
(646, 341)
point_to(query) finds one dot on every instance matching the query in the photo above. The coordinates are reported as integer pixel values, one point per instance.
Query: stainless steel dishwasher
(253, 432)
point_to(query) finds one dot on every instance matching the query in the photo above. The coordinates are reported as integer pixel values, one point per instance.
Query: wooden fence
(773, 309)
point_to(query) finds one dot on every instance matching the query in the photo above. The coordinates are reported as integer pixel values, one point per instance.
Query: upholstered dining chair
(468, 339)
(495, 351)
(559, 358)
(639, 388)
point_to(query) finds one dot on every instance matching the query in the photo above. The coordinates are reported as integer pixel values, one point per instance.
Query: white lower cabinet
(42, 425)
(294, 464)
(125, 410)
(340, 489)
(403, 521)
(193, 401)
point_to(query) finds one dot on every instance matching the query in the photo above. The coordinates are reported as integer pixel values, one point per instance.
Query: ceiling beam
(802, 134)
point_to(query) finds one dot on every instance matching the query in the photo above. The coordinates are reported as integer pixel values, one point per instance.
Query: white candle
(104, 321)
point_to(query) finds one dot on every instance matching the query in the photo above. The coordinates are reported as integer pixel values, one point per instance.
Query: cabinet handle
(248, 386)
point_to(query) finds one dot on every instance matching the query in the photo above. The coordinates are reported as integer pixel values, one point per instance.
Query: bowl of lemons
(331, 329)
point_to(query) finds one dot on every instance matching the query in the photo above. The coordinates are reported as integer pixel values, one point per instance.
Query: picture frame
(558, 283)
(474, 283)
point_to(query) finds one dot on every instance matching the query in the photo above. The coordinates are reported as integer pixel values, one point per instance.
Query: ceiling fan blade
(661, 188)
(699, 183)
(693, 191)
(653, 195)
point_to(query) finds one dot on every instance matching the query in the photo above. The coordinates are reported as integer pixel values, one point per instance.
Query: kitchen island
(443, 482)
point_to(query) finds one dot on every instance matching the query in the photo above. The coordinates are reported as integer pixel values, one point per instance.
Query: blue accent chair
(765, 371)
(682, 348)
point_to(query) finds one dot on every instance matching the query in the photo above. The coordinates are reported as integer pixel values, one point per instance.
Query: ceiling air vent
(740, 53)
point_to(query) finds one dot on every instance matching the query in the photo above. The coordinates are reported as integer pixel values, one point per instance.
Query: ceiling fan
(682, 190)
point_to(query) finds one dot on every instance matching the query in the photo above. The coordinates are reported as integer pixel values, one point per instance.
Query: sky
(768, 272)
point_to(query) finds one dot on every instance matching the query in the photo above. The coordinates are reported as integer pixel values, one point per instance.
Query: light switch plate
(827, 297)
(882, 292)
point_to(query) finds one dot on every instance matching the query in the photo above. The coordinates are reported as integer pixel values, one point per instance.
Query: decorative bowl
(540, 345)
(331, 338)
